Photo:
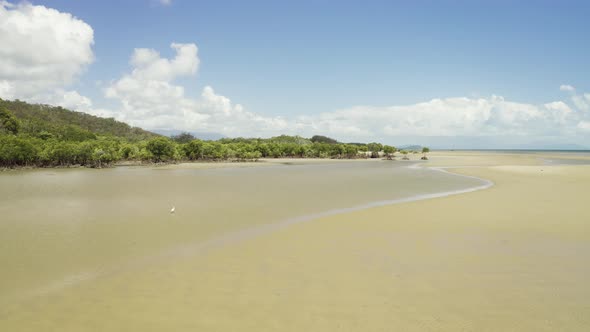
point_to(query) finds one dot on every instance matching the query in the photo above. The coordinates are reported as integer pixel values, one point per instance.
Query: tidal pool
(63, 228)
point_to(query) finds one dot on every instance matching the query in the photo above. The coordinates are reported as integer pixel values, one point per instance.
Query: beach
(508, 257)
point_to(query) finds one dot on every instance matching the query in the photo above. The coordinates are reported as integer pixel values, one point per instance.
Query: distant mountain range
(410, 147)
(200, 135)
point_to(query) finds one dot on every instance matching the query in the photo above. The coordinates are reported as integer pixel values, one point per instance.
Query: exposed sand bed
(514, 257)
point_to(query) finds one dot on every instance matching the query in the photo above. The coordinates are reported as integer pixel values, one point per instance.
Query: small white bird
(172, 210)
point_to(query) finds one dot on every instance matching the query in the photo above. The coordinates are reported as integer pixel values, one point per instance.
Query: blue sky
(295, 61)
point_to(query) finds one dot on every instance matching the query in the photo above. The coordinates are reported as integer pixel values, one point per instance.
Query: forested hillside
(38, 120)
(46, 136)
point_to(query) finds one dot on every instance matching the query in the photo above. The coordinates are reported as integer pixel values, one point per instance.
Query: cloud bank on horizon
(44, 51)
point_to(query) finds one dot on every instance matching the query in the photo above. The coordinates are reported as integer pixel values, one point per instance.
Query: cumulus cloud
(148, 65)
(150, 98)
(146, 94)
(559, 112)
(225, 117)
(43, 51)
(581, 101)
(68, 99)
(493, 116)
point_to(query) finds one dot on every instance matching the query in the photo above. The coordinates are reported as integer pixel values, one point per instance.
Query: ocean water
(547, 157)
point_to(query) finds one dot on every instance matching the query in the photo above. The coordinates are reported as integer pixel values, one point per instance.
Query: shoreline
(436, 158)
(205, 163)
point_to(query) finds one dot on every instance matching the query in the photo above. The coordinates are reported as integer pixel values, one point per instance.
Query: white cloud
(232, 119)
(67, 99)
(147, 94)
(581, 102)
(150, 98)
(559, 111)
(165, 2)
(148, 65)
(566, 87)
(6, 90)
(42, 50)
(461, 116)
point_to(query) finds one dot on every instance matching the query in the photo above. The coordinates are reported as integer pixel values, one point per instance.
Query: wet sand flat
(60, 227)
(513, 257)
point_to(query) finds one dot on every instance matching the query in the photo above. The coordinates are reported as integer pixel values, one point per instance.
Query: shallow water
(565, 161)
(61, 228)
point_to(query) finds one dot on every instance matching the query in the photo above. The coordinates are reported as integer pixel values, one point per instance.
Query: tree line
(48, 144)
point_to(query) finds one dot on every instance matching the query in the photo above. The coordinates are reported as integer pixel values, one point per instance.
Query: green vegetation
(8, 123)
(389, 151)
(425, 150)
(56, 122)
(46, 136)
(323, 139)
(374, 148)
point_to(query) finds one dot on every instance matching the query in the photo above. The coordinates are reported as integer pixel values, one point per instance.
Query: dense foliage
(63, 124)
(323, 139)
(45, 136)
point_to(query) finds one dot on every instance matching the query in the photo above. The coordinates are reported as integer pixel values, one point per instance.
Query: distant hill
(206, 136)
(410, 147)
(323, 139)
(39, 120)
